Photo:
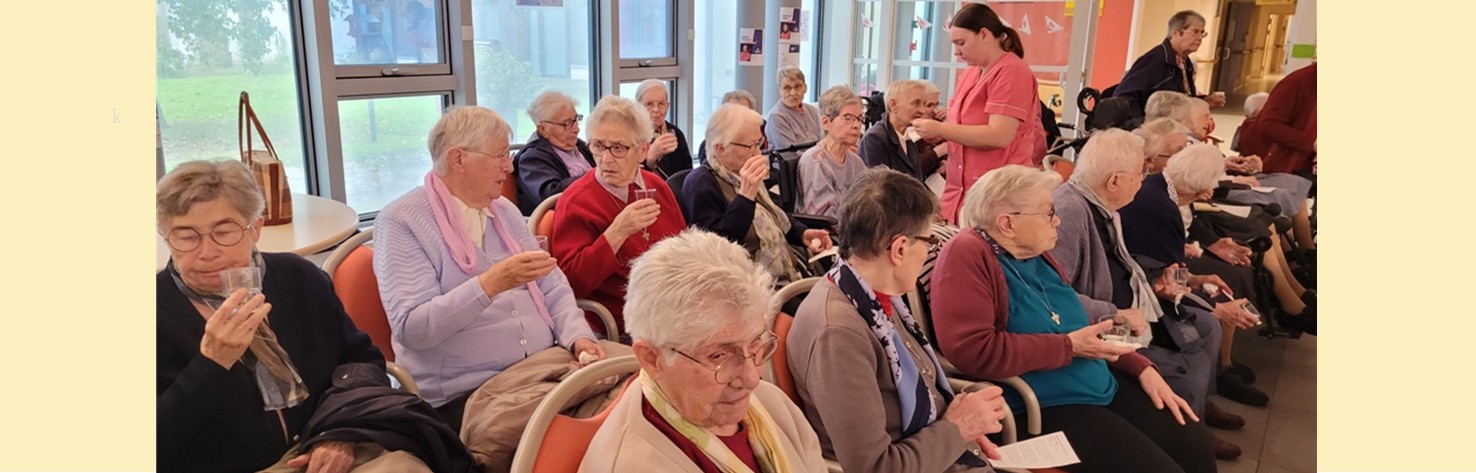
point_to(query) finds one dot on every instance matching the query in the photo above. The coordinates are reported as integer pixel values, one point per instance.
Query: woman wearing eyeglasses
(1002, 307)
(828, 169)
(556, 156)
(1168, 65)
(668, 151)
(994, 117)
(697, 309)
(605, 220)
(870, 379)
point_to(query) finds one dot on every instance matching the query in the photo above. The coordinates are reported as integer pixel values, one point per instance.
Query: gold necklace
(1039, 295)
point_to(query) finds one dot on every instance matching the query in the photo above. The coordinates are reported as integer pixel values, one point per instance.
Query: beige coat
(628, 443)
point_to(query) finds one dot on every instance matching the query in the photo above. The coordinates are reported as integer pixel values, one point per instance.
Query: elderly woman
(905, 417)
(602, 225)
(727, 196)
(792, 121)
(1109, 283)
(1162, 137)
(556, 156)
(740, 97)
(994, 118)
(1002, 308)
(698, 403)
(827, 170)
(668, 151)
(467, 290)
(887, 143)
(240, 375)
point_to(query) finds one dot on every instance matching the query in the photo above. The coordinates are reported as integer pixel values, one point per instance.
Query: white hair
(649, 85)
(1107, 152)
(465, 127)
(622, 111)
(725, 124)
(1167, 103)
(1254, 103)
(999, 191)
(1195, 169)
(740, 94)
(1155, 134)
(547, 104)
(832, 100)
(791, 73)
(687, 287)
(900, 87)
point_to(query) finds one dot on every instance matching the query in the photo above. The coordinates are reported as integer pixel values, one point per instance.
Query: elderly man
(1168, 65)
(467, 290)
(1109, 282)
(556, 156)
(698, 403)
(888, 144)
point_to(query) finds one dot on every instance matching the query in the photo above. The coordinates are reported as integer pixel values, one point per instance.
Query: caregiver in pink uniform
(994, 116)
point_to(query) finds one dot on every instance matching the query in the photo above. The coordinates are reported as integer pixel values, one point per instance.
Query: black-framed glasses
(188, 239)
(728, 364)
(617, 149)
(567, 124)
(1049, 215)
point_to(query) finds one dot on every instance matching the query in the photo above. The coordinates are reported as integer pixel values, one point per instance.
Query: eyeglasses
(1049, 215)
(792, 87)
(566, 123)
(762, 146)
(930, 239)
(503, 155)
(224, 234)
(1199, 33)
(617, 149)
(661, 104)
(849, 119)
(728, 364)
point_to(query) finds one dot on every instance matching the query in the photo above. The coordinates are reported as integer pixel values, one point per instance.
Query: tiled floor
(1281, 437)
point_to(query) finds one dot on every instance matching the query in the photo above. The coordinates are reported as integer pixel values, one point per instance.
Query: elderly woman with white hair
(467, 290)
(740, 97)
(698, 403)
(243, 376)
(1002, 307)
(792, 121)
(1162, 137)
(728, 197)
(827, 170)
(888, 143)
(605, 221)
(668, 152)
(556, 156)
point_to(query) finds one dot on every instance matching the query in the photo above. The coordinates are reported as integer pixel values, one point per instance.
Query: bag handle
(246, 115)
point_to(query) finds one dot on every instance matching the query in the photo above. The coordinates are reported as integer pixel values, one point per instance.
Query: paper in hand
(823, 254)
(1046, 451)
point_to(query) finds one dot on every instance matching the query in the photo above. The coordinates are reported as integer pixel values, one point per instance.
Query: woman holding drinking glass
(668, 152)
(612, 215)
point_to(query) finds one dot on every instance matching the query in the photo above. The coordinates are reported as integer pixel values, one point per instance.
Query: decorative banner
(804, 26)
(751, 47)
(920, 23)
(865, 21)
(1024, 27)
(789, 25)
(1052, 46)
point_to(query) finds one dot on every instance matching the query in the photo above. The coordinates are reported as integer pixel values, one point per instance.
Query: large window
(384, 148)
(714, 69)
(520, 51)
(646, 28)
(386, 32)
(208, 52)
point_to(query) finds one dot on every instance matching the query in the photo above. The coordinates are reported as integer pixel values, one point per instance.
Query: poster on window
(751, 47)
(804, 26)
(789, 25)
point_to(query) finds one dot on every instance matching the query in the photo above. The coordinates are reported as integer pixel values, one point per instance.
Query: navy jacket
(1156, 70)
(679, 158)
(541, 173)
(710, 209)
(880, 147)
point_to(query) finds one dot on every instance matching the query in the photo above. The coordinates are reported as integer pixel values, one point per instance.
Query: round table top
(317, 224)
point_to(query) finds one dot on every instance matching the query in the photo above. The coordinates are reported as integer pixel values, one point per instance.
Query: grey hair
(998, 191)
(464, 127)
(1255, 103)
(727, 122)
(899, 87)
(836, 98)
(649, 84)
(547, 104)
(740, 94)
(1167, 103)
(881, 204)
(791, 73)
(687, 287)
(1107, 152)
(1195, 169)
(622, 111)
(1181, 19)
(1155, 134)
(197, 182)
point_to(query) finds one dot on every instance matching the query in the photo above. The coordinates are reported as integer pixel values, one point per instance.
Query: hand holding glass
(645, 194)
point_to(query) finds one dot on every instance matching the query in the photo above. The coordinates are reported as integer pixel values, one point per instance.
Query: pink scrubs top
(1008, 89)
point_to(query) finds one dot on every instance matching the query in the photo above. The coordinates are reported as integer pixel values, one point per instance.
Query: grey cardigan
(1081, 253)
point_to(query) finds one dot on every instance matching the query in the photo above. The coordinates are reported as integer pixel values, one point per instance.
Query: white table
(317, 224)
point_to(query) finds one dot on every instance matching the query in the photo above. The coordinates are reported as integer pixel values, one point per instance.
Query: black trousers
(451, 412)
(1130, 435)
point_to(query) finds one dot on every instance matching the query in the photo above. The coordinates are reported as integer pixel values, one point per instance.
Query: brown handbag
(270, 176)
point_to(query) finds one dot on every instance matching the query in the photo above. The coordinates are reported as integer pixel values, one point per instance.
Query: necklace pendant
(647, 235)
(1056, 318)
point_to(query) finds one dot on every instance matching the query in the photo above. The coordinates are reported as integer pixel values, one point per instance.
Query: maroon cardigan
(1288, 123)
(971, 307)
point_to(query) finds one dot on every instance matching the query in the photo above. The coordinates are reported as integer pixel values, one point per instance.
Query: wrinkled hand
(1085, 343)
(1134, 320)
(662, 146)
(1163, 396)
(1234, 313)
(978, 414)
(1216, 100)
(817, 240)
(1197, 280)
(326, 457)
(634, 217)
(752, 176)
(1192, 250)
(516, 271)
(928, 129)
(1231, 252)
(230, 329)
(1247, 180)
(585, 345)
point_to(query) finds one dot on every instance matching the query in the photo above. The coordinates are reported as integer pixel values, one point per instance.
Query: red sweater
(585, 211)
(1288, 123)
(970, 309)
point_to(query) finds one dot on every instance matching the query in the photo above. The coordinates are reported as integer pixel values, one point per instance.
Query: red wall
(1111, 53)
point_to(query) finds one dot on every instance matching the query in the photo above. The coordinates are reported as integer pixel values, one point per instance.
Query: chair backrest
(675, 183)
(510, 189)
(556, 443)
(542, 219)
(351, 267)
(778, 370)
(1060, 165)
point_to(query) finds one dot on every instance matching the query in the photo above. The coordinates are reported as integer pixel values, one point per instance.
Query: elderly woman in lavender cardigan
(467, 290)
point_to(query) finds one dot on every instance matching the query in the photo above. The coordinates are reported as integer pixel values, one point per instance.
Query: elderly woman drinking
(697, 309)
(244, 374)
(668, 152)
(728, 198)
(467, 290)
(556, 156)
(828, 169)
(904, 416)
(1002, 308)
(609, 217)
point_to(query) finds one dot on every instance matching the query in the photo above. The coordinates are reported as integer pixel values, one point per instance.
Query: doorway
(1252, 47)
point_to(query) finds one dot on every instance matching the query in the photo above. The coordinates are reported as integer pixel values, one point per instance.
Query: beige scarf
(770, 223)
